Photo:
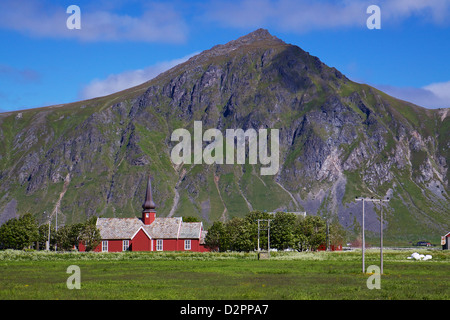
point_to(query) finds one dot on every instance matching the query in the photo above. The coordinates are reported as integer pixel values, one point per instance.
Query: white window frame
(187, 244)
(125, 245)
(159, 245)
(105, 246)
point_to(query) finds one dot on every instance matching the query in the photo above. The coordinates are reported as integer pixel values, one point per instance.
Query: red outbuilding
(323, 247)
(149, 233)
(445, 241)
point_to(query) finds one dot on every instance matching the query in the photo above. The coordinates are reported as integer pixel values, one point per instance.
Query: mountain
(337, 139)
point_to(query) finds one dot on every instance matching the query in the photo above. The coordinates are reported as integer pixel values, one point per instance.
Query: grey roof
(161, 228)
(118, 228)
(190, 230)
(164, 228)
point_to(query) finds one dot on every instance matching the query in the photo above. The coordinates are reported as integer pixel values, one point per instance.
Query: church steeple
(148, 212)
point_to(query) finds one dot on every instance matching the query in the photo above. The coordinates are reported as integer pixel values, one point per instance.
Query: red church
(149, 233)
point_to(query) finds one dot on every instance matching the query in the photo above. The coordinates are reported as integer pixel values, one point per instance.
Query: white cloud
(118, 82)
(289, 15)
(301, 15)
(167, 21)
(435, 95)
(159, 22)
(440, 90)
(435, 11)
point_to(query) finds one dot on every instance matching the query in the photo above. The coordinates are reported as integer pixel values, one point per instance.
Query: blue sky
(124, 43)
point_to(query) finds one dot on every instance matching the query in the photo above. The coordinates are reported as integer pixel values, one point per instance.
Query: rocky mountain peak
(338, 139)
(261, 36)
(257, 35)
(251, 38)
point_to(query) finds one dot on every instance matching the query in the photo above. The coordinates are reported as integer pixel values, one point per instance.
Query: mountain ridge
(338, 139)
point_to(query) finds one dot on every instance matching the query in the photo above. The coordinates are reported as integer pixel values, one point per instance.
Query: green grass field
(211, 276)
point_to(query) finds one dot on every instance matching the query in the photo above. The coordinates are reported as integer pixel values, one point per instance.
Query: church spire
(148, 212)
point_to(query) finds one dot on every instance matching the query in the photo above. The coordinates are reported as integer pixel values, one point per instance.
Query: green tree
(215, 236)
(282, 230)
(19, 233)
(90, 235)
(310, 233)
(8, 234)
(338, 234)
(301, 241)
(252, 220)
(238, 235)
(43, 236)
(190, 219)
(234, 235)
(69, 236)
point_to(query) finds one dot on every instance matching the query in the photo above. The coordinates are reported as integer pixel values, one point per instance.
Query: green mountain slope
(338, 139)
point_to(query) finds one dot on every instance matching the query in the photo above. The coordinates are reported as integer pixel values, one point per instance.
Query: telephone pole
(268, 234)
(56, 226)
(363, 227)
(381, 236)
(49, 222)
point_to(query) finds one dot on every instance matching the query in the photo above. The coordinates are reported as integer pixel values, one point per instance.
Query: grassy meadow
(214, 276)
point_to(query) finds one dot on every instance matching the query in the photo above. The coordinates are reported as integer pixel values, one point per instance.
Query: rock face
(338, 139)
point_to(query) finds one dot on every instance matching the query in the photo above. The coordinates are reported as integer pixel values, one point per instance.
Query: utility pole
(259, 249)
(328, 236)
(381, 240)
(48, 242)
(381, 236)
(363, 236)
(56, 226)
(268, 234)
(363, 228)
